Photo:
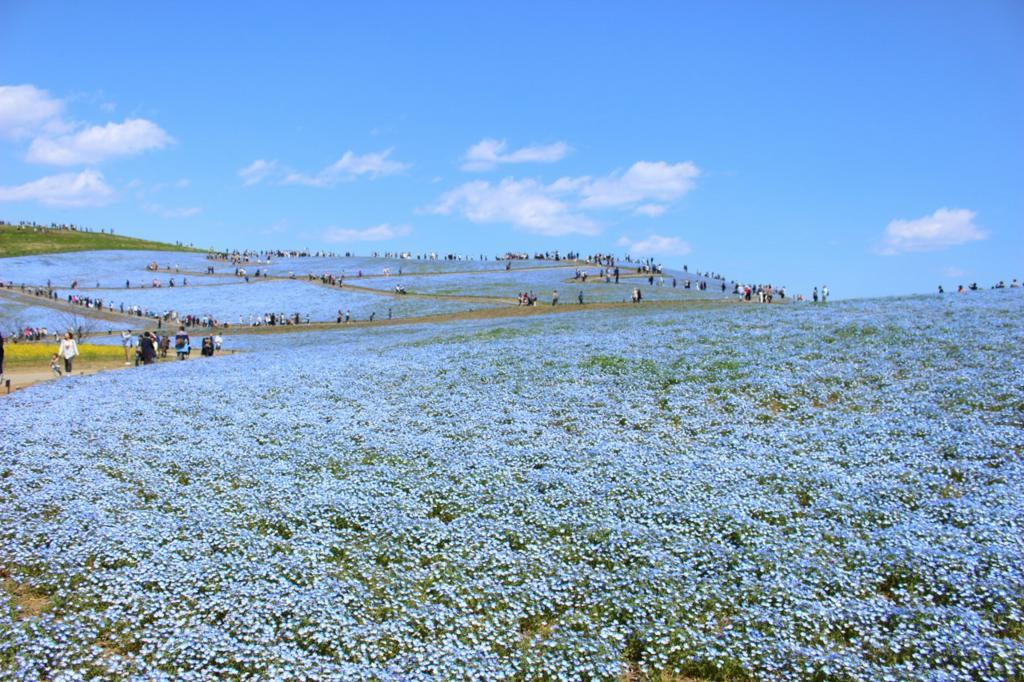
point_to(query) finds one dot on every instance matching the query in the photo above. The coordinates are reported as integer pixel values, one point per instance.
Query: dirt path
(24, 375)
(70, 308)
(494, 300)
(490, 271)
(510, 311)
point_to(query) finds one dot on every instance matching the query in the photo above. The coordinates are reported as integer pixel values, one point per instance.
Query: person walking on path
(67, 349)
(554, 297)
(1, 356)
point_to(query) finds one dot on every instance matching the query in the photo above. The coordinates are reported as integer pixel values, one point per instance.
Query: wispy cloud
(650, 210)
(99, 143)
(489, 153)
(940, 230)
(349, 167)
(66, 189)
(526, 204)
(378, 233)
(655, 245)
(346, 169)
(257, 171)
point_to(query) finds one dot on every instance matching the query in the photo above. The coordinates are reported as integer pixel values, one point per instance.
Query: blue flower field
(785, 492)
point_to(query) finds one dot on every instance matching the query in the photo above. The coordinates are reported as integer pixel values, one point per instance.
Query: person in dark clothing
(147, 347)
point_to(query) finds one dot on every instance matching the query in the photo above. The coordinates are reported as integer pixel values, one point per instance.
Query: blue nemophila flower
(783, 493)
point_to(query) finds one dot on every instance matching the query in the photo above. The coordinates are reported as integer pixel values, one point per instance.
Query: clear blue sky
(874, 147)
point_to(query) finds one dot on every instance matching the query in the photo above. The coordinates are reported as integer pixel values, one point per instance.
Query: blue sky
(874, 147)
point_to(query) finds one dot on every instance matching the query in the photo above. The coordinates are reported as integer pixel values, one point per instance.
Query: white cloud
(940, 230)
(66, 189)
(650, 210)
(29, 112)
(655, 245)
(348, 168)
(557, 208)
(172, 213)
(257, 171)
(25, 110)
(98, 143)
(527, 204)
(644, 181)
(378, 233)
(488, 153)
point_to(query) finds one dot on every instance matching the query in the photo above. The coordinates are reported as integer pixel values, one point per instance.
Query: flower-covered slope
(784, 492)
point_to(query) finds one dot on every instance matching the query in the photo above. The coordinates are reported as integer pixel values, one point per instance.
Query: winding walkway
(65, 306)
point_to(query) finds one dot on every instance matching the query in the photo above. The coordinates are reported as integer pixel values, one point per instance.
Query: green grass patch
(30, 241)
(615, 364)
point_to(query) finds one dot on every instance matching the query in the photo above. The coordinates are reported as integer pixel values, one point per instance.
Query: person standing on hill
(554, 297)
(1, 356)
(126, 343)
(68, 350)
(824, 293)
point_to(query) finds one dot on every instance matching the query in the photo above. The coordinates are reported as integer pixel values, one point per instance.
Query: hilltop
(29, 240)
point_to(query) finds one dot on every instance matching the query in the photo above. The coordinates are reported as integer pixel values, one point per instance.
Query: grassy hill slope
(28, 241)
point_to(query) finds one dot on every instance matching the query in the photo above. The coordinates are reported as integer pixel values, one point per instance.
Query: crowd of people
(31, 225)
(149, 345)
(271, 320)
(973, 286)
(760, 293)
